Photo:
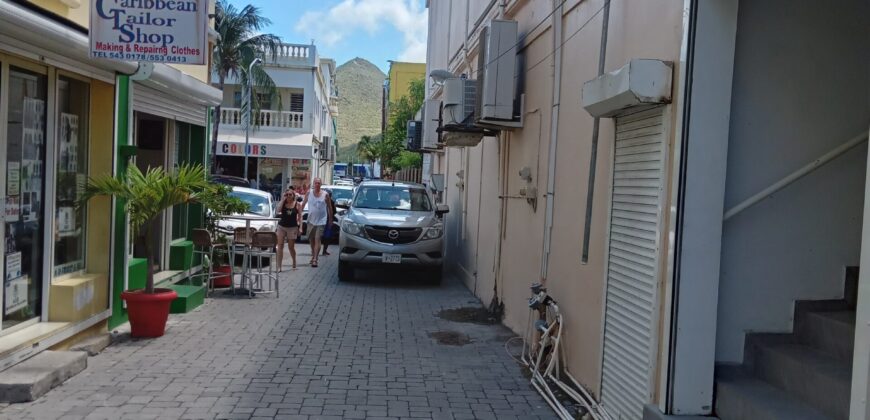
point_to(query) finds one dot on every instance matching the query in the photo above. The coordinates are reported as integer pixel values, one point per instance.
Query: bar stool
(204, 246)
(242, 238)
(263, 247)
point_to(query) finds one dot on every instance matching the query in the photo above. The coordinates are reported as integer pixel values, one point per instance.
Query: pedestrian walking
(319, 213)
(331, 232)
(289, 225)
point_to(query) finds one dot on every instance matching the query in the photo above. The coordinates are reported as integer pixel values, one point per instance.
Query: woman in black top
(289, 225)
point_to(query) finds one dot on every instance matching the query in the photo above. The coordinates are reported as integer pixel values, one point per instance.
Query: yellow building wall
(80, 15)
(401, 75)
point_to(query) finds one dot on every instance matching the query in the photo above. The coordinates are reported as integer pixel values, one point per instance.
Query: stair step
(189, 298)
(810, 375)
(830, 332)
(740, 396)
(33, 377)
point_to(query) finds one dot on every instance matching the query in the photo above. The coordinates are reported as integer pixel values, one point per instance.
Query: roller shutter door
(631, 305)
(155, 102)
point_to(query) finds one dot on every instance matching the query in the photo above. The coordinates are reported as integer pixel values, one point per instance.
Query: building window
(25, 194)
(265, 101)
(72, 150)
(297, 101)
(237, 99)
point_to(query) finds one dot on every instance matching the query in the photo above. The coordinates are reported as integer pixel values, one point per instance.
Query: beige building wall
(489, 213)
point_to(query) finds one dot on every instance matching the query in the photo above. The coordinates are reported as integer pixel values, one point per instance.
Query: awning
(267, 144)
(32, 35)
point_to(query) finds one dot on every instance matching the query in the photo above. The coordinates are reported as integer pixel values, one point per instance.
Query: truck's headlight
(434, 232)
(351, 227)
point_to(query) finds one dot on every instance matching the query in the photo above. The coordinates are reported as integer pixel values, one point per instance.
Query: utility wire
(564, 42)
(523, 38)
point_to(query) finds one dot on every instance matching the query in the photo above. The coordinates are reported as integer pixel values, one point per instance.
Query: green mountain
(360, 85)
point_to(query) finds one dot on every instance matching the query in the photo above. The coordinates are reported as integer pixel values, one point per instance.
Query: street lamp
(248, 111)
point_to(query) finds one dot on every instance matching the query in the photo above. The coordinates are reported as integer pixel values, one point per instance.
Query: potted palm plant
(218, 203)
(146, 196)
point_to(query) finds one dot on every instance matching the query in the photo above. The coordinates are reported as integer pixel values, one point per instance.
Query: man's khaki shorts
(316, 231)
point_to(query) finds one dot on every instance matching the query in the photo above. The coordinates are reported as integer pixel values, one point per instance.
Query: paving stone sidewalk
(323, 350)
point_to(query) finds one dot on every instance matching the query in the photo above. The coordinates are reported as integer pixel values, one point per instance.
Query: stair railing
(796, 175)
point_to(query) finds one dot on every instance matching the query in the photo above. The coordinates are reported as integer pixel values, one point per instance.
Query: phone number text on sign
(160, 31)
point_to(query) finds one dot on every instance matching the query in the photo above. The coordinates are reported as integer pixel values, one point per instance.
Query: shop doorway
(151, 135)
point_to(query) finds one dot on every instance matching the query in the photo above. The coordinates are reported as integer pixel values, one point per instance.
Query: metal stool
(205, 247)
(242, 238)
(263, 247)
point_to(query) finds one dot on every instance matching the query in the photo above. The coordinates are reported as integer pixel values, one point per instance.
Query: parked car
(259, 206)
(391, 224)
(233, 181)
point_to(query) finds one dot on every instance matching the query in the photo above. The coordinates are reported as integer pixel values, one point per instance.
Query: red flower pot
(226, 280)
(148, 312)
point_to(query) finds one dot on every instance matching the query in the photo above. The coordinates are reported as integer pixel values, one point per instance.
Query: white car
(259, 206)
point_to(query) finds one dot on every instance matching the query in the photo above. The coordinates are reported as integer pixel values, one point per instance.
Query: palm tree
(240, 42)
(146, 196)
(368, 150)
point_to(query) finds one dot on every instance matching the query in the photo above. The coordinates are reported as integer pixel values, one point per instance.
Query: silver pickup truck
(391, 224)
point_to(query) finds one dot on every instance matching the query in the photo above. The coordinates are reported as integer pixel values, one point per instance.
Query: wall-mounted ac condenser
(414, 137)
(496, 74)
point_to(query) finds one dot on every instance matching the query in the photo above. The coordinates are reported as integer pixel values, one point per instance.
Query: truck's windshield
(392, 198)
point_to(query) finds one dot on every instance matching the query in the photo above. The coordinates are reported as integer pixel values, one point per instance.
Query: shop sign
(13, 178)
(260, 150)
(13, 265)
(16, 294)
(161, 31)
(13, 209)
(239, 149)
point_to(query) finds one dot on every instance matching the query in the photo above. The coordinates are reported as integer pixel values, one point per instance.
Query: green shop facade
(160, 126)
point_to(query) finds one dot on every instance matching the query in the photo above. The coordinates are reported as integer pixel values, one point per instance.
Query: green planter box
(137, 273)
(181, 255)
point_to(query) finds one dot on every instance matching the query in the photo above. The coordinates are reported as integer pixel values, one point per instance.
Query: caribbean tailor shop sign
(161, 31)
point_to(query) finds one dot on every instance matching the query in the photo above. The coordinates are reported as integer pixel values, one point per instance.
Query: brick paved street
(323, 350)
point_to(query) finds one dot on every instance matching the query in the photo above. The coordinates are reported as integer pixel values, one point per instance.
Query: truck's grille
(400, 235)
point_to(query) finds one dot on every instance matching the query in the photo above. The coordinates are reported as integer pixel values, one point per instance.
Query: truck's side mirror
(441, 209)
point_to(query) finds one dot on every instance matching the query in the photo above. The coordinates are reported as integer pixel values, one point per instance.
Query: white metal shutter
(631, 318)
(155, 102)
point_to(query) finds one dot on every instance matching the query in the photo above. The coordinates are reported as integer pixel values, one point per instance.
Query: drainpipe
(554, 135)
(593, 156)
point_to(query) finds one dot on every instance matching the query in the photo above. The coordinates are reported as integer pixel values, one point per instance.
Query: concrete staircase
(803, 375)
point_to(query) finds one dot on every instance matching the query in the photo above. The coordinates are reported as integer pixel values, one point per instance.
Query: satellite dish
(440, 75)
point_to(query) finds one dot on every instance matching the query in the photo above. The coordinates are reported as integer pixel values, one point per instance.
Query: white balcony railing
(293, 54)
(263, 119)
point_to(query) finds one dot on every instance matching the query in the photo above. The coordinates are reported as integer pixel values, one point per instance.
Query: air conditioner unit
(414, 137)
(497, 68)
(460, 99)
(457, 116)
(324, 152)
(431, 124)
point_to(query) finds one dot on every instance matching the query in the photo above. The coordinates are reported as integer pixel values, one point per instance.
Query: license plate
(391, 258)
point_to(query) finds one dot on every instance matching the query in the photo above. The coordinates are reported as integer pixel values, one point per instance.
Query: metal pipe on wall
(593, 155)
(554, 135)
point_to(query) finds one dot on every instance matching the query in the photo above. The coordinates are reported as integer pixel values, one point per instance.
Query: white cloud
(408, 17)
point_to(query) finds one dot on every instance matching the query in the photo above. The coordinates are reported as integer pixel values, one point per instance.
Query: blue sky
(377, 30)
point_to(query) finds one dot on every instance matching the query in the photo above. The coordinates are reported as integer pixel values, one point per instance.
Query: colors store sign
(162, 31)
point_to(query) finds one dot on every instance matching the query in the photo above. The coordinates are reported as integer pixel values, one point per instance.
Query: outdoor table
(246, 267)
